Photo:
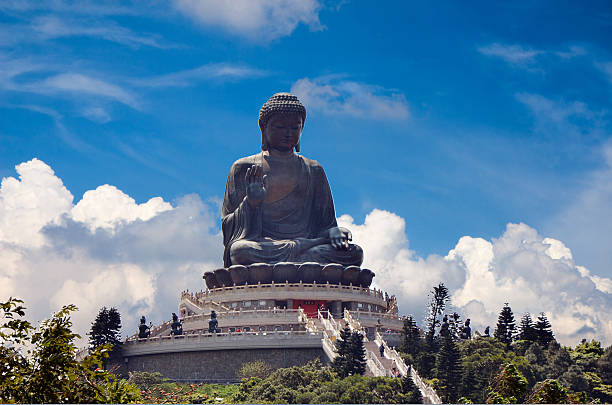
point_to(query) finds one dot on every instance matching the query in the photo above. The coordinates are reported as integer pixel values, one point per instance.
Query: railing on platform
(191, 336)
(198, 297)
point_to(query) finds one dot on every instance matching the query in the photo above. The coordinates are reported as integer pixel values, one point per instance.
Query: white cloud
(513, 54)
(50, 27)
(80, 83)
(606, 68)
(96, 114)
(331, 95)
(253, 19)
(213, 71)
(27, 204)
(573, 52)
(107, 250)
(532, 273)
(106, 207)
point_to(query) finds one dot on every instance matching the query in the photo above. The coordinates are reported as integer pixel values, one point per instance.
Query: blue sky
(457, 118)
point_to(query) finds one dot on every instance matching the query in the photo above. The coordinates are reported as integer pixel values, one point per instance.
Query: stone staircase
(377, 365)
(386, 363)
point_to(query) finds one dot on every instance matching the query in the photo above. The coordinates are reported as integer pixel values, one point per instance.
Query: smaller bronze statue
(213, 323)
(486, 332)
(177, 326)
(143, 330)
(466, 331)
(444, 331)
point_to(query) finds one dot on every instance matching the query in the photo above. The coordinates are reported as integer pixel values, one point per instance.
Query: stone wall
(215, 365)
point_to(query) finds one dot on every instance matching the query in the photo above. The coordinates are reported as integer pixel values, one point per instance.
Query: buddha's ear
(297, 147)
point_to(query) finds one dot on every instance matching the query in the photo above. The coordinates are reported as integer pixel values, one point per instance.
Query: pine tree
(351, 354)
(358, 354)
(448, 369)
(526, 330)
(411, 337)
(411, 391)
(543, 330)
(437, 305)
(105, 328)
(504, 331)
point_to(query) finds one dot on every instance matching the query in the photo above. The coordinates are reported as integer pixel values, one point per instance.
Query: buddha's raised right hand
(256, 189)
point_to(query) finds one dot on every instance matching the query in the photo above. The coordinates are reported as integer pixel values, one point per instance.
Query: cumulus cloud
(532, 273)
(331, 95)
(254, 19)
(109, 250)
(38, 198)
(106, 206)
(105, 250)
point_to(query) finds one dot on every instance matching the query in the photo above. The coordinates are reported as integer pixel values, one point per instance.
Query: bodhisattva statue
(144, 331)
(278, 206)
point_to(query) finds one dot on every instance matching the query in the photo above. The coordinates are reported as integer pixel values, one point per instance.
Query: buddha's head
(281, 120)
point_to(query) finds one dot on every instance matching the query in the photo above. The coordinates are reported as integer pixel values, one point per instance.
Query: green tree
(259, 369)
(340, 364)
(586, 354)
(526, 330)
(351, 354)
(508, 387)
(548, 392)
(543, 330)
(358, 354)
(504, 331)
(105, 328)
(50, 372)
(482, 359)
(448, 369)
(439, 297)
(411, 337)
(411, 391)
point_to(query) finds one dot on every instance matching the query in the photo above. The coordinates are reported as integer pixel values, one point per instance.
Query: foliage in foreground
(313, 383)
(49, 372)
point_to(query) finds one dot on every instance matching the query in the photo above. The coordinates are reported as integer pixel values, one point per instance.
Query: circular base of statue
(287, 272)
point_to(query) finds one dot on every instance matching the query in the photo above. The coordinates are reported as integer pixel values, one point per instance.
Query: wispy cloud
(573, 52)
(50, 27)
(605, 68)
(82, 7)
(257, 20)
(585, 221)
(213, 71)
(79, 83)
(332, 95)
(514, 54)
(561, 118)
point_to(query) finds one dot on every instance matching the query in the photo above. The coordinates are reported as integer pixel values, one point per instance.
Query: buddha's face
(283, 131)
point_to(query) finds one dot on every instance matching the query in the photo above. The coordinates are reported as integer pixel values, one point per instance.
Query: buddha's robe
(282, 230)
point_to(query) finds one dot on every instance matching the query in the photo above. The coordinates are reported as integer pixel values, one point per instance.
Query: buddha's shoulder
(246, 161)
(313, 164)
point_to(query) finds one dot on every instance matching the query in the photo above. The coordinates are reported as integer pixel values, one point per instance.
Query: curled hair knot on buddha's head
(279, 103)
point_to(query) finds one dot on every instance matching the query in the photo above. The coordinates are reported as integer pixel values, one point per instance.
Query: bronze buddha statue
(278, 206)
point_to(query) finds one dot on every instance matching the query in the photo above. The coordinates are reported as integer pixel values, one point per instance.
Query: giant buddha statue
(278, 206)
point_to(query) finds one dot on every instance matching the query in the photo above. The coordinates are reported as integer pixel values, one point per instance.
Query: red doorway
(310, 307)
